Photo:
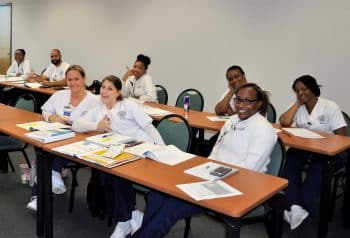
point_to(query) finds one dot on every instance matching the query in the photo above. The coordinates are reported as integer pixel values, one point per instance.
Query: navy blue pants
(162, 212)
(120, 197)
(305, 193)
(57, 164)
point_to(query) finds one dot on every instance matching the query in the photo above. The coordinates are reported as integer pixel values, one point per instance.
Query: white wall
(191, 43)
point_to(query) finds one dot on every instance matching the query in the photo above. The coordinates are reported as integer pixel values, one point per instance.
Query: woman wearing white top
(66, 106)
(315, 113)
(137, 83)
(246, 140)
(127, 118)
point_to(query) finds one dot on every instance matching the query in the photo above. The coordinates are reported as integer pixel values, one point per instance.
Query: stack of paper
(99, 158)
(302, 132)
(154, 111)
(208, 190)
(11, 79)
(33, 85)
(109, 139)
(43, 125)
(204, 171)
(218, 118)
(169, 154)
(49, 136)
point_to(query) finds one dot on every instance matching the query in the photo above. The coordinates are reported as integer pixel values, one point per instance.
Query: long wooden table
(257, 188)
(47, 91)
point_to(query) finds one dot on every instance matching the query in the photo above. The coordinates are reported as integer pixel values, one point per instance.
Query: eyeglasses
(246, 101)
(234, 79)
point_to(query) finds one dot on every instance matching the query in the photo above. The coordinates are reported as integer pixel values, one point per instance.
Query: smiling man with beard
(54, 75)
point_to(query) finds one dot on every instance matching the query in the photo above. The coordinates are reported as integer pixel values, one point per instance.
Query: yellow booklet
(98, 157)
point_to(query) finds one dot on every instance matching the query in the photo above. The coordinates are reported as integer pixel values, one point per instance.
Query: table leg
(275, 225)
(327, 170)
(47, 170)
(233, 227)
(40, 202)
(346, 205)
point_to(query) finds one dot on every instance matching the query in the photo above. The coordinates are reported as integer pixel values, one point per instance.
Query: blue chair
(196, 99)
(162, 94)
(271, 113)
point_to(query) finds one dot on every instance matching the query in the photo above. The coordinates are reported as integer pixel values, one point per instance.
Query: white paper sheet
(218, 118)
(208, 190)
(203, 171)
(302, 132)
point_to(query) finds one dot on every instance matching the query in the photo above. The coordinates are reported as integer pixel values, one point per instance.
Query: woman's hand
(128, 73)
(56, 118)
(104, 124)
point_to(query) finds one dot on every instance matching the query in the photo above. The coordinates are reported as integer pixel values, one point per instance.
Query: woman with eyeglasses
(137, 83)
(246, 140)
(312, 112)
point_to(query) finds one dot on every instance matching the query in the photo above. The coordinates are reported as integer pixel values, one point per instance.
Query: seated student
(66, 106)
(127, 118)
(315, 113)
(137, 83)
(54, 75)
(246, 140)
(235, 77)
(20, 67)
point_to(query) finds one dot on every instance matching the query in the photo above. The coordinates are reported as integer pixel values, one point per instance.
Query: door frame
(10, 5)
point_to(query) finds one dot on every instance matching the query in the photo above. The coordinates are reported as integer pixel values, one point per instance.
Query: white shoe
(298, 215)
(58, 186)
(136, 221)
(32, 205)
(122, 230)
(287, 216)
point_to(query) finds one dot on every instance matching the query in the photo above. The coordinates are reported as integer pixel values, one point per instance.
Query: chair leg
(74, 172)
(187, 227)
(333, 198)
(10, 163)
(26, 158)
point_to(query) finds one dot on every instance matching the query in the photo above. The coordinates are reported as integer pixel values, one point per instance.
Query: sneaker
(298, 215)
(287, 216)
(122, 230)
(58, 186)
(32, 205)
(136, 221)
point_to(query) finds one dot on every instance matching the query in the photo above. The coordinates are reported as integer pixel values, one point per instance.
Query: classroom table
(257, 188)
(48, 91)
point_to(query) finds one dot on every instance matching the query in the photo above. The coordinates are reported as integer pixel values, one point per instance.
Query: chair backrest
(94, 87)
(277, 157)
(43, 71)
(196, 99)
(162, 94)
(175, 130)
(26, 102)
(347, 120)
(271, 113)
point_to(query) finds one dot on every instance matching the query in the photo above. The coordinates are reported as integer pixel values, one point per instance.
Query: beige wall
(192, 42)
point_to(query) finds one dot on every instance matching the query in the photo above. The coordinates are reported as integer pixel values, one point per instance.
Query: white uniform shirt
(56, 73)
(61, 99)
(126, 118)
(326, 116)
(247, 143)
(142, 88)
(23, 68)
(232, 104)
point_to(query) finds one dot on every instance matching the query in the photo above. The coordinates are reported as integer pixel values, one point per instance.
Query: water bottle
(186, 105)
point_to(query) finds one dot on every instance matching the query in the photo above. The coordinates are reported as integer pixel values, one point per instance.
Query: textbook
(169, 154)
(78, 148)
(98, 157)
(48, 136)
(109, 139)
